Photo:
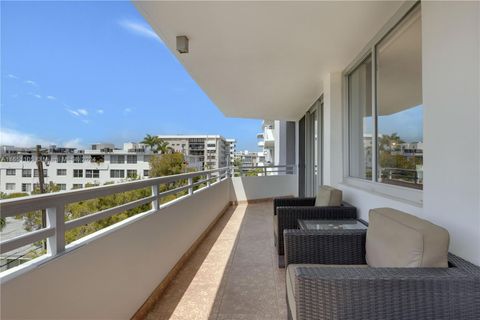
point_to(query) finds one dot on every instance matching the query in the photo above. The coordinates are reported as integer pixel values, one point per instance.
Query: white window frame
(10, 184)
(76, 171)
(61, 170)
(9, 171)
(404, 194)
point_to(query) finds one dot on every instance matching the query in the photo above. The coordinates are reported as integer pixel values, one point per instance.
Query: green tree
(167, 164)
(152, 142)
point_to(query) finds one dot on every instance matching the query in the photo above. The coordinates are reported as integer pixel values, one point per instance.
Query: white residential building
(232, 144)
(209, 151)
(70, 168)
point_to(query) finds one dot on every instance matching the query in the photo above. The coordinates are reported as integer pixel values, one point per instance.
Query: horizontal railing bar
(26, 239)
(12, 207)
(107, 213)
(185, 187)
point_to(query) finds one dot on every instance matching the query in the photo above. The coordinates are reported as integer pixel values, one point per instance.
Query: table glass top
(331, 225)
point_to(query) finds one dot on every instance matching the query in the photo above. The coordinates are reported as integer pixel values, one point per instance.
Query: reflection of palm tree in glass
(389, 142)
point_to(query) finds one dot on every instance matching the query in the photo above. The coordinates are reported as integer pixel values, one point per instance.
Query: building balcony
(193, 250)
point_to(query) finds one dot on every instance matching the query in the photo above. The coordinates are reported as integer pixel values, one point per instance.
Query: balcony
(210, 227)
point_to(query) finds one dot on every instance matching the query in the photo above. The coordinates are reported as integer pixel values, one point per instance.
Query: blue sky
(77, 73)
(408, 124)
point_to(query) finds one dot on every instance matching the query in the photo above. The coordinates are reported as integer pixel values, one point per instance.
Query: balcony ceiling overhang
(268, 59)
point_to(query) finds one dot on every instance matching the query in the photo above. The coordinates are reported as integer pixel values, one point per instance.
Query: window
(62, 186)
(11, 172)
(77, 173)
(92, 173)
(62, 159)
(399, 104)
(77, 186)
(386, 130)
(26, 187)
(78, 159)
(146, 173)
(61, 172)
(117, 173)
(35, 172)
(132, 158)
(132, 174)
(360, 120)
(10, 186)
(26, 173)
(117, 159)
(147, 158)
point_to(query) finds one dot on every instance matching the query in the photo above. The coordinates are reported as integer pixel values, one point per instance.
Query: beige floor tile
(232, 275)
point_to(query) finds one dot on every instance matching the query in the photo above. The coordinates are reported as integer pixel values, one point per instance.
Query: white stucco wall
(451, 99)
(451, 96)
(251, 188)
(112, 276)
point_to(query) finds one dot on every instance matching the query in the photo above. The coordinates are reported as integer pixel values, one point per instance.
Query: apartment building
(250, 159)
(70, 168)
(232, 145)
(208, 151)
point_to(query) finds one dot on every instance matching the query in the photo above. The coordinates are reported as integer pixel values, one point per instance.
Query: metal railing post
(156, 201)
(190, 182)
(209, 176)
(56, 219)
(265, 171)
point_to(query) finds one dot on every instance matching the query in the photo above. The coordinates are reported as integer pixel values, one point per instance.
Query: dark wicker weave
(325, 246)
(287, 217)
(377, 293)
(292, 202)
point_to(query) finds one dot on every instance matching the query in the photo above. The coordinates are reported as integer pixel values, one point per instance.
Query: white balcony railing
(264, 170)
(54, 205)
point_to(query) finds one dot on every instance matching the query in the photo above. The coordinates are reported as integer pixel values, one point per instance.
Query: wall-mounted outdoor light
(182, 44)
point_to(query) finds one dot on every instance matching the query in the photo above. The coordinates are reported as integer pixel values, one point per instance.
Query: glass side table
(330, 225)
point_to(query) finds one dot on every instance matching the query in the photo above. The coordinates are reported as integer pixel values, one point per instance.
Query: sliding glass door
(313, 146)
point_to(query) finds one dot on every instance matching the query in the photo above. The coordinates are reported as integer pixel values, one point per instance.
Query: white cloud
(51, 98)
(100, 111)
(37, 96)
(140, 29)
(26, 140)
(12, 76)
(21, 139)
(82, 112)
(86, 121)
(127, 110)
(73, 143)
(75, 113)
(31, 82)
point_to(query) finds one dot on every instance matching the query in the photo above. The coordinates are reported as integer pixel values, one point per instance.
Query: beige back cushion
(328, 196)
(398, 239)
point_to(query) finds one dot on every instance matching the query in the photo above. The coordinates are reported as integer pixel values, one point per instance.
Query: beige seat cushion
(290, 280)
(398, 239)
(328, 196)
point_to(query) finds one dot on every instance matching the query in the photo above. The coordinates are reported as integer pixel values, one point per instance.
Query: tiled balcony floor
(232, 275)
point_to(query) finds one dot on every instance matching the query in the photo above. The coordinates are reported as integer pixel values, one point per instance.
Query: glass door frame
(313, 148)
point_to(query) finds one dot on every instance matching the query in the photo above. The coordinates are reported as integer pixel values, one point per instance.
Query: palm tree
(163, 147)
(388, 142)
(152, 142)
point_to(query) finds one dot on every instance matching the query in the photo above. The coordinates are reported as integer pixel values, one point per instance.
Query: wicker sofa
(287, 212)
(328, 277)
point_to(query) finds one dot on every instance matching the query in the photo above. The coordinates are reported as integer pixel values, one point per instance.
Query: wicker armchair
(356, 291)
(287, 212)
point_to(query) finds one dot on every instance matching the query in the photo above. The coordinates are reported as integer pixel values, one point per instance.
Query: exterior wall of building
(207, 151)
(451, 95)
(73, 174)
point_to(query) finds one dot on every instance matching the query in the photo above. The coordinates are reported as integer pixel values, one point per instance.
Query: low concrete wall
(111, 276)
(251, 188)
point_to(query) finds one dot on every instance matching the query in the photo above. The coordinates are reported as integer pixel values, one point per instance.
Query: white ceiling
(266, 60)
